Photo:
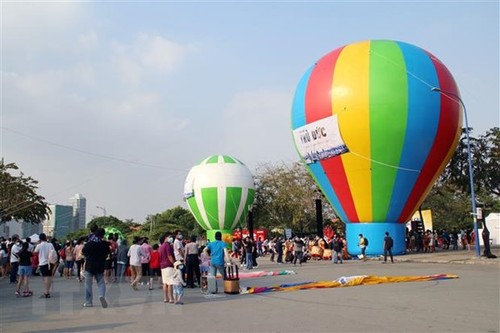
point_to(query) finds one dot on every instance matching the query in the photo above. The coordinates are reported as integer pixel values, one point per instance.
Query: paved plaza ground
(467, 304)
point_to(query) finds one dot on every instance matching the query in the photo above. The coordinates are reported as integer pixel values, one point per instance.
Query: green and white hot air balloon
(219, 192)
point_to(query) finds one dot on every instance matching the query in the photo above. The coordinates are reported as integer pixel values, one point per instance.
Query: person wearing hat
(178, 282)
(14, 257)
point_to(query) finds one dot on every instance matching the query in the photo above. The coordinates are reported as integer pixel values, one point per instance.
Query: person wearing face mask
(14, 257)
(167, 267)
(179, 251)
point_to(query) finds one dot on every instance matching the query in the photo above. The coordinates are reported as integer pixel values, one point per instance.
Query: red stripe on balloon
(449, 119)
(338, 180)
(318, 93)
(318, 106)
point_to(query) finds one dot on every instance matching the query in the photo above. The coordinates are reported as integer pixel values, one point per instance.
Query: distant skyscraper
(60, 221)
(79, 204)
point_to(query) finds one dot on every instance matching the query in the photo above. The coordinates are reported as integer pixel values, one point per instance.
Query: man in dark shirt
(388, 243)
(95, 253)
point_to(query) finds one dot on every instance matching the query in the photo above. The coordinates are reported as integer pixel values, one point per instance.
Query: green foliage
(450, 198)
(285, 198)
(18, 197)
(77, 234)
(170, 221)
(110, 221)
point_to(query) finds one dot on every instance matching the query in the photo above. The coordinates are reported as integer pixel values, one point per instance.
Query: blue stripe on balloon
(299, 101)
(421, 127)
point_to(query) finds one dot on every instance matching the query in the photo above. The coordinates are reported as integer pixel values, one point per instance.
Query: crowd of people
(174, 262)
(431, 240)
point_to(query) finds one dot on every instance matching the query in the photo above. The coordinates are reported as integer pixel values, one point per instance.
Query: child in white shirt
(179, 284)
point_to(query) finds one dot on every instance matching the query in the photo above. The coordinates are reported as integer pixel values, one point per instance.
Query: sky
(118, 100)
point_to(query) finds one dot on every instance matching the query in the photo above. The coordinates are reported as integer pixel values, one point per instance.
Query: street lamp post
(457, 98)
(103, 210)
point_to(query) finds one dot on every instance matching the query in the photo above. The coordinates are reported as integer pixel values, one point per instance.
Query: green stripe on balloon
(228, 159)
(388, 98)
(195, 210)
(210, 204)
(233, 199)
(211, 159)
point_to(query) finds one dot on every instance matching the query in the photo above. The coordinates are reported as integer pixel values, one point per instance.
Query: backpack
(62, 253)
(366, 241)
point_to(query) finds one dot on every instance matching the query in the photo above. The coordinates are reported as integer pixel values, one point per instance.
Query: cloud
(88, 40)
(31, 27)
(147, 55)
(257, 127)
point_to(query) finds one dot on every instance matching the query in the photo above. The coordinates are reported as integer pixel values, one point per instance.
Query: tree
(173, 220)
(485, 152)
(111, 221)
(285, 198)
(489, 151)
(450, 199)
(18, 197)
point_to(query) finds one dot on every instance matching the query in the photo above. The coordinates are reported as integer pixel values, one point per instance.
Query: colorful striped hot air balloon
(374, 135)
(219, 192)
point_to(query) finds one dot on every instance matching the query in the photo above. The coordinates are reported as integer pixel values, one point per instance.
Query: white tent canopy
(34, 238)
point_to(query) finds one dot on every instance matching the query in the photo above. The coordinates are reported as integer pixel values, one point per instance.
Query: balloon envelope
(372, 132)
(219, 191)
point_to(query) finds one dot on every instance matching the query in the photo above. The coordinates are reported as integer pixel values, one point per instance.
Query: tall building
(60, 222)
(20, 227)
(79, 204)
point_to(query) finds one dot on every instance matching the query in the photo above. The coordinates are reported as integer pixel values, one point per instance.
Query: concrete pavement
(467, 304)
(449, 257)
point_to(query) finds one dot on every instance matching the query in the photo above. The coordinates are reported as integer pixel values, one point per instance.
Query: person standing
(135, 253)
(145, 262)
(337, 246)
(167, 267)
(179, 251)
(178, 283)
(218, 254)
(279, 251)
(77, 254)
(388, 243)
(70, 259)
(95, 261)
(15, 248)
(154, 267)
(25, 269)
(192, 262)
(4, 259)
(249, 249)
(298, 251)
(362, 245)
(122, 260)
(44, 249)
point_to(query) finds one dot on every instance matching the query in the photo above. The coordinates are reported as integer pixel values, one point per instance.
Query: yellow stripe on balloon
(350, 101)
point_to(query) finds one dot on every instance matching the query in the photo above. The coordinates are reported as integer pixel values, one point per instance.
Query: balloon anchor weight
(232, 280)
